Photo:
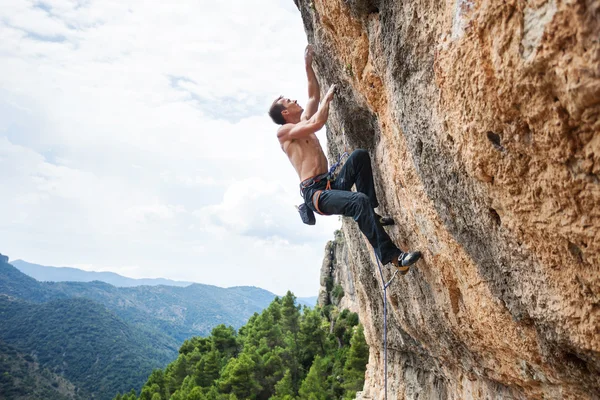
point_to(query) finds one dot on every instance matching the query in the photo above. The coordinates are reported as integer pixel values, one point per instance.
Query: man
(322, 195)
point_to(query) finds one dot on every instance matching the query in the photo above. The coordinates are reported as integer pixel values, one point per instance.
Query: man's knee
(361, 154)
(361, 157)
(361, 200)
(359, 205)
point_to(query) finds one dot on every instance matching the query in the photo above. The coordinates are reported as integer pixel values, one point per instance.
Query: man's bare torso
(306, 155)
(297, 133)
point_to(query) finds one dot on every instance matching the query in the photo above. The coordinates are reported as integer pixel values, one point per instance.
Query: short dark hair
(276, 110)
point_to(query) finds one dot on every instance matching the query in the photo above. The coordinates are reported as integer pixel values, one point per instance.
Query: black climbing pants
(340, 200)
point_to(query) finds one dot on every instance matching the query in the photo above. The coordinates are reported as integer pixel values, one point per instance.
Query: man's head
(284, 110)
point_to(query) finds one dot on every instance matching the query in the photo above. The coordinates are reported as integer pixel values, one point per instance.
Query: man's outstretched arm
(312, 125)
(314, 94)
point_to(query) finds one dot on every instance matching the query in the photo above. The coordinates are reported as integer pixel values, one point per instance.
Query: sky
(134, 138)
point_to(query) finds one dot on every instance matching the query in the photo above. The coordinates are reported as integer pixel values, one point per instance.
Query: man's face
(291, 106)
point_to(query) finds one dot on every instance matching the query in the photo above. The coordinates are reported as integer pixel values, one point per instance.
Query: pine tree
(154, 385)
(150, 391)
(269, 371)
(196, 394)
(275, 309)
(209, 368)
(130, 396)
(311, 338)
(358, 356)
(314, 386)
(224, 339)
(238, 378)
(176, 371)
(284, 387)
(212, 393)
(290, 313)
(290, 327)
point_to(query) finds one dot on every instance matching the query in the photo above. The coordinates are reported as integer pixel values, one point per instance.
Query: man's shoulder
(287, 125)
(284, 129)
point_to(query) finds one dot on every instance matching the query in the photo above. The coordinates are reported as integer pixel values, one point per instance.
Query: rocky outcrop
(483, 122)
(336, 279)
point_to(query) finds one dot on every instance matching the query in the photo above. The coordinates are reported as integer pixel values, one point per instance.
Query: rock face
(337, 280)
(482, 119)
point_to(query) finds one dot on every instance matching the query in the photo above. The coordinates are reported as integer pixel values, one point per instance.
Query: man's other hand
(330, 93)
(308, 54)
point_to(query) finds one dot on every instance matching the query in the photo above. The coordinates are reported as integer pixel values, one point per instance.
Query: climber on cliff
(321, 193)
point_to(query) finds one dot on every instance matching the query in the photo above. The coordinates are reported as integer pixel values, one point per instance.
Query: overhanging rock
(483, 122)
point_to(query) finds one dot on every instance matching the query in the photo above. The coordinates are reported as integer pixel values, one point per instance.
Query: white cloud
(137, 135)
(153, 212)
(261, 209)
(202, 179)
(23, 16)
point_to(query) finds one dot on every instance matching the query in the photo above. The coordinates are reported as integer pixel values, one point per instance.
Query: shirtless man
(322, 195)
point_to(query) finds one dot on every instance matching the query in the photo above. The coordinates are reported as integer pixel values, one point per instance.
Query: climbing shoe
(385, 221)
(405, 260)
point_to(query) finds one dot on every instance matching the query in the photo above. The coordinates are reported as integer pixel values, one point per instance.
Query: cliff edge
(482, 119)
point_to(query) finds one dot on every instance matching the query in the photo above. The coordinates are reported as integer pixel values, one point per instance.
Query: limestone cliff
(483, 122)
(337, 280)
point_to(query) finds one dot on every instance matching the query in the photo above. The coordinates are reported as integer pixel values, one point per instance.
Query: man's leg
(357, 170)
(358, 206)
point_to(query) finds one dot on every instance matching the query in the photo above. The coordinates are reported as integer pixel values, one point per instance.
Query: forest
(287, 352)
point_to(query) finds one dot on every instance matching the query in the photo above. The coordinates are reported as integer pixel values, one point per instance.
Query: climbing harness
(330, 174)
(315, 198)
(384, 286)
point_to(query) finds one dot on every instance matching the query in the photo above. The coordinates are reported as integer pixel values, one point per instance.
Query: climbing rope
(336, 165)
(339, 161)
(385, 286)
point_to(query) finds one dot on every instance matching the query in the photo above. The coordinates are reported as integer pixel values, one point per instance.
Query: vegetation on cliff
(284, 353)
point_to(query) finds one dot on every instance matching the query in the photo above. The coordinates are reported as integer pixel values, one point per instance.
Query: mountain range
(104, 339)
(45, 273)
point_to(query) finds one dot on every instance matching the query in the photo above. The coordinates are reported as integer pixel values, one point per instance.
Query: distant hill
(44, 273)
(82, 341)
(21, 378)
(16, 284)
(180, 312)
